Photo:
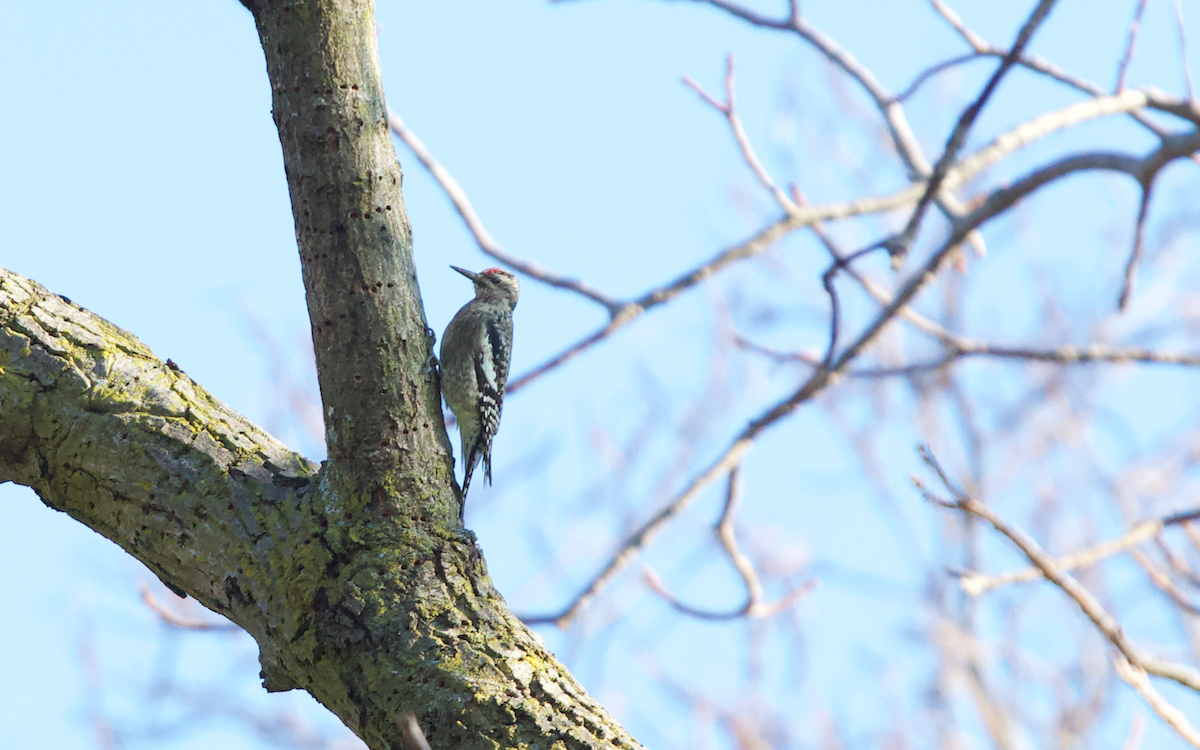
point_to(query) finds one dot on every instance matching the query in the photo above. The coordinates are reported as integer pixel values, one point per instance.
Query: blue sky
(143, 180)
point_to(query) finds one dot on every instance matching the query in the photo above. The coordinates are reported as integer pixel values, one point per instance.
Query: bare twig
(1178, 564)
(1032, 62)
(1043, 125)
(572, 351)
(1139, 233)
(754, 607)
(642, 537)
(1137, 729)
(975, 584)
(959, 347)
(933, 70)
(1183, 674)
(177, 620)
(1136, 676)
(1173, 147)
(1181, 30)
(486, 243)
(1163, 582)
(900, 246)
(1193, 534)
(1130, 43)
(412, 730)
(729, 109)
(970, 37)
(869, 285)
(1070, 355)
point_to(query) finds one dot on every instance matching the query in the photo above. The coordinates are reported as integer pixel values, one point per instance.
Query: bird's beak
(470, 275)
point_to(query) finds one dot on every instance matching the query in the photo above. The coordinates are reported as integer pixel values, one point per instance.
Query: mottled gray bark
(353, 577)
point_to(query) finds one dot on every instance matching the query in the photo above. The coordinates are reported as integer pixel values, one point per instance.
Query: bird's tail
(481, 450)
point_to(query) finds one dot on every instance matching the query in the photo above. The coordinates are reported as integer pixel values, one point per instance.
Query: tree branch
(1034, 63)
(1140, 681)
(975, 584)
(997, 202)
(1185, 675)
(729, 109)
(1130, 42)
(462, 204)
(754, 607)
(373, 612)
(808, 215)
(890, 108)
(959, 135)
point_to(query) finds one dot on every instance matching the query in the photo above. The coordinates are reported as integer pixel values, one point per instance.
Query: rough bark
(353, 577)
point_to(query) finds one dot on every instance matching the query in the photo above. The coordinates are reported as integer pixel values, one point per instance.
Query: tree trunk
(354, 577)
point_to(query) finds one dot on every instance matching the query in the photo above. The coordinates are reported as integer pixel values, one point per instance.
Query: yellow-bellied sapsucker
(476, 351)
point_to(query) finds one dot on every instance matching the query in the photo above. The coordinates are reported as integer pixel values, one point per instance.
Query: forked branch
(1107, 625)
(755, 607)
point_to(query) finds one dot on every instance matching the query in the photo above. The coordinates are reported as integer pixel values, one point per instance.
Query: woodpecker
(476, 351)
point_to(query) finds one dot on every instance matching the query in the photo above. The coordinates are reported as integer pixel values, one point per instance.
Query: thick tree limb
(370, 611)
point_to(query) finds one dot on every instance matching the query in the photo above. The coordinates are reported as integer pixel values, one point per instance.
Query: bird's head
(493, 283)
